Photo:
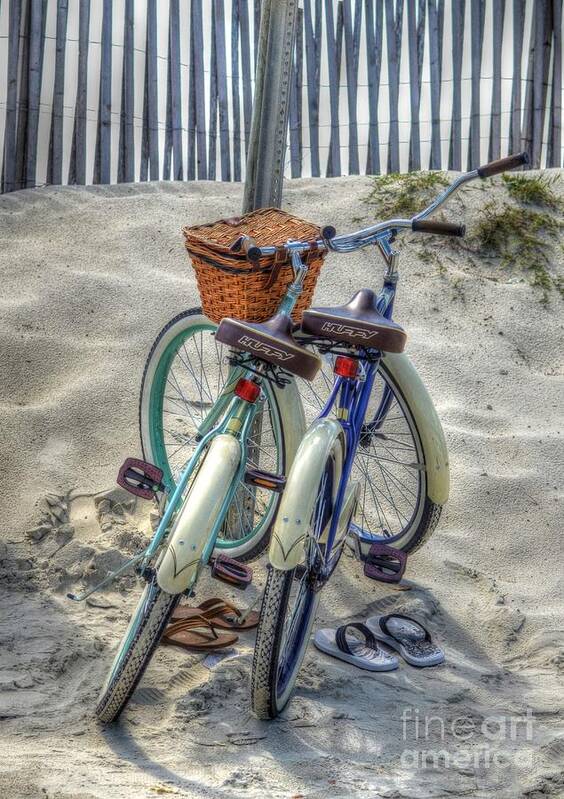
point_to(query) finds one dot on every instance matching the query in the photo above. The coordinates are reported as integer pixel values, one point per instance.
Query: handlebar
(432, 226)
(502, 164)
(248, 246)
(376, 233)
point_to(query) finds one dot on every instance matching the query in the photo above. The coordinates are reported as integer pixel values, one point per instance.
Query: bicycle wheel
(184, 375)
(401, 450)
(135, 651)
(291, 598)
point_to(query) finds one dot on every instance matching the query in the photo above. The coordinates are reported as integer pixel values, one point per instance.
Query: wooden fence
(99, 91)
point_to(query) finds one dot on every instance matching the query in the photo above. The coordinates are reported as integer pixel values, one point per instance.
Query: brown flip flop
(196, 634)
(221, 613)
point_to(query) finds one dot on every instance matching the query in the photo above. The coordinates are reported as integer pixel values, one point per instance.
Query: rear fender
(177, 568)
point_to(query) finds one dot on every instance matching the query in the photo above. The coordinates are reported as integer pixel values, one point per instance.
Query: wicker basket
(230, 285)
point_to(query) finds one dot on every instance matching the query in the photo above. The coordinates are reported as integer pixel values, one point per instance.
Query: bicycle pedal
(231, 571)
(385, 564)
(261, 479)
(140, 478)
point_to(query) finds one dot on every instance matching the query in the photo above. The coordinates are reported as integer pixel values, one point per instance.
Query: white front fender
(324, 438)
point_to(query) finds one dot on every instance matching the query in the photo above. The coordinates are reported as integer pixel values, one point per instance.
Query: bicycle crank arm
(112, 576)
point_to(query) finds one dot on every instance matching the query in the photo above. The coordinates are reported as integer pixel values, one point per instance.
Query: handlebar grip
(248, 246)
(328, 232)
(442, 228)
(502, 165)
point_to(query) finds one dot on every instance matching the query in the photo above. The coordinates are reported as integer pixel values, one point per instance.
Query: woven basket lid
(267, 226)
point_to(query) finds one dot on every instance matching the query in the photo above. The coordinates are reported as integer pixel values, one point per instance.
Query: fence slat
(494, 150)
(9, 162)
(221, 77)
(246, 70)
(515, 127)
(295, 117)
(313, 67)
(102, 163)
(436, 21)
(352, 48)
(151, 120)
(55, 158)
(36, 34)
(553, 156)
(175, 85)
(167, 154)
(394, 17)
(212, 143)
(543, 33)
(257, 16)
(416, 41)
(23, 99)
(476, 36)
(77, 167)
(126, 147)
(334, 65)
(458, 9)
(235, 97)
(374, 29)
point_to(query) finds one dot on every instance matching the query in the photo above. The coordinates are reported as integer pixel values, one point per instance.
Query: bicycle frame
(350, 398)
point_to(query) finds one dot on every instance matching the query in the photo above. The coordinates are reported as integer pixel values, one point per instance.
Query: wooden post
(267, 146)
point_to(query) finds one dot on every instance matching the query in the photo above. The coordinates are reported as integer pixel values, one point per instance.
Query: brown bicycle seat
(270, 341)
(359, 322)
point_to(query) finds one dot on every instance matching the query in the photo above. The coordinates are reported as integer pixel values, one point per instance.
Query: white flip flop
(345, 645)
(408, 637)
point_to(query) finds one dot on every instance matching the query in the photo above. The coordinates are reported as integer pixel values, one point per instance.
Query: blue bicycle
(316, 515)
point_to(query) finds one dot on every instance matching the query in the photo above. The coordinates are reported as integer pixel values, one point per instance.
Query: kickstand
(111, 576)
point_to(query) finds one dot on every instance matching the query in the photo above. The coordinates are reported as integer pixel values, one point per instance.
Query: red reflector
(247, 390)
(345, 367)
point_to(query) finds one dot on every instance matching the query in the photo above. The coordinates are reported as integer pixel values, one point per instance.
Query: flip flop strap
(341, 636)
(384, 626)
(192, 623)
(218, 607)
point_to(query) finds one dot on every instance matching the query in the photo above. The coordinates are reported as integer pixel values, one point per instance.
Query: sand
(89, 276)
